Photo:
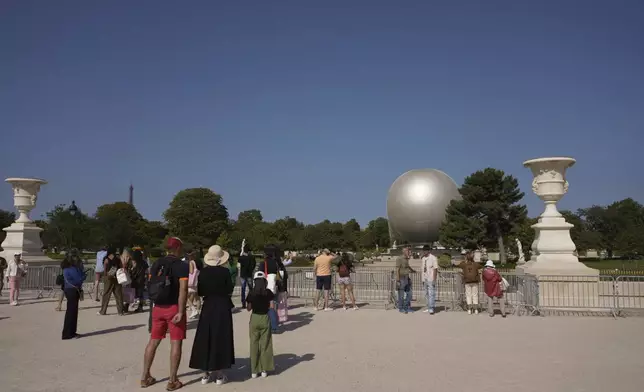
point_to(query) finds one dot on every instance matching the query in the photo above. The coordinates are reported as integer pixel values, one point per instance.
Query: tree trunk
(501, 249)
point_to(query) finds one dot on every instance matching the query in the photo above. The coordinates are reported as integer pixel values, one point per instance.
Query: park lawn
(627, 265)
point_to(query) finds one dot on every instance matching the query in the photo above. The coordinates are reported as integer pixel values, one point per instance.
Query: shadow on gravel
(295, 321)
(241, 369)
(4, 318)
(112, 330)
(30, 301)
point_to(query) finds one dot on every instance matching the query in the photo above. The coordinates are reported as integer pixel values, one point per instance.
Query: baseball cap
(173, 243)
(259, 275)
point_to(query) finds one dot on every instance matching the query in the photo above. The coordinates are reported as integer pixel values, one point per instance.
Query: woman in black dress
(213, 348)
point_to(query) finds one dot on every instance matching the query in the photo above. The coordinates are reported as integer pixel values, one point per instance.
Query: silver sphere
(416, 204)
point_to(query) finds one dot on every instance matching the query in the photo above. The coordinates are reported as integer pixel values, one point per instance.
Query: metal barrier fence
(616, 295)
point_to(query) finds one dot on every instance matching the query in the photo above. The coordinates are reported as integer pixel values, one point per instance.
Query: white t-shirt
(430, 263)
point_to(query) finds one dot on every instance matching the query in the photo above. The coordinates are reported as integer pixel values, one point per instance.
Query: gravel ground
(366, 350)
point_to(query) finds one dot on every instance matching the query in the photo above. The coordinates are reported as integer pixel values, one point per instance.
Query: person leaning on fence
(322, 273)
(345, 268)
(493, 288)
(471, 279)
(403, 281)
(430, 271)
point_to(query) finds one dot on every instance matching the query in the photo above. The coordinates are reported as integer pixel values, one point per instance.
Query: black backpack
(160, 284)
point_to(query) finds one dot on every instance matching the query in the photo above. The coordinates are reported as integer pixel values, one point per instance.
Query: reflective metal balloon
(416, 204)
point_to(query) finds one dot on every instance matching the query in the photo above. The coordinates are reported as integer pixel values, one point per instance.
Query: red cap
(173, 243)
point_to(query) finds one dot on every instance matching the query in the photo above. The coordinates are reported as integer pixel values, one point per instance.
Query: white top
(13, 268)
(430, 263)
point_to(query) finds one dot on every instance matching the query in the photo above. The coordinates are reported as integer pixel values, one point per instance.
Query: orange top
(322, 265)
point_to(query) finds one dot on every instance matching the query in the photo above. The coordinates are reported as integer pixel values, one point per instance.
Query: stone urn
(25, 195)
(549, 182)
(553, 246)
(23, 236)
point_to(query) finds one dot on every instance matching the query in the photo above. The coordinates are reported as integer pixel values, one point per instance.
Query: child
(259, 302)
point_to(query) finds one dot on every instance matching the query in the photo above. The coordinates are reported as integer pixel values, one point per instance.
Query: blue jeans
(244, 283)
(272, 316)
(430, 294)
(404, 294)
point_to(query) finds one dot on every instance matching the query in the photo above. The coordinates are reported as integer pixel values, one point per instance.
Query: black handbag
(60, 280)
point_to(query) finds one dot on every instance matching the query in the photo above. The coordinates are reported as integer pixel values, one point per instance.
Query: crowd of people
(181, 282)
(493, 283)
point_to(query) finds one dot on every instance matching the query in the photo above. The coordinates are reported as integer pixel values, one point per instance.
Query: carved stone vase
(555, 250)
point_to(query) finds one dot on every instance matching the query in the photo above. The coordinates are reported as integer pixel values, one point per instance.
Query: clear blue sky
(313, 108)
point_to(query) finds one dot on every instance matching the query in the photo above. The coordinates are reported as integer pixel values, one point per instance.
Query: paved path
(368, 350)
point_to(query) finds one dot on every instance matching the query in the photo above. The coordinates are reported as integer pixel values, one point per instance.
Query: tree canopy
(198, 216)
(487, 213)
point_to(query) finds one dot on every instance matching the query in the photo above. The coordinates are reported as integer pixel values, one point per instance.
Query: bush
(156, 253)
(445, 260)
(301, 261)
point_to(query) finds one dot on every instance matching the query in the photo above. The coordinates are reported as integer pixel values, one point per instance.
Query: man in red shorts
(168, 313)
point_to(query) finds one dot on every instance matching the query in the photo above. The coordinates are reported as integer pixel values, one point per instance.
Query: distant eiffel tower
(131, 199)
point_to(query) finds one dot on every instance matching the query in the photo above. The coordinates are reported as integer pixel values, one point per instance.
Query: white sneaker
(355, 308)
(221, 381)
(264, 374)
(14, 303)
(476, 311)
(426, 311)
(205, 379)
(328, 309)
(254, 375)
(469, 311)
(344, 308)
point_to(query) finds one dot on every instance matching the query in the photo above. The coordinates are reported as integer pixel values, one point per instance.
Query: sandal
(173, 385)
(148, 382)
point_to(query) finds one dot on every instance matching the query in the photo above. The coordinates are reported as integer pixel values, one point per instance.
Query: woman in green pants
(261, 339)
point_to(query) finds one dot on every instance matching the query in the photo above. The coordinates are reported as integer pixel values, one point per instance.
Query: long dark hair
(346, 260)
(261, 287)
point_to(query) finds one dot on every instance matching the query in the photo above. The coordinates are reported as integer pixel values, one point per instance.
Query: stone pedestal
(23, 236)
(564, 282)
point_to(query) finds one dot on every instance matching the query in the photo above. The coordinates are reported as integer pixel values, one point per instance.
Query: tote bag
(193, 278)
(122, 277)
(282, 307)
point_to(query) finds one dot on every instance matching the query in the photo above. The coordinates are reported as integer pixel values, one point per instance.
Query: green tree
(351, 235)
(525, 233)
(487, 213)
(198, 216)
(64, 230)
(376, 233)
(149, 234)
(224, 240)
(119, 224)
(6, 219)
(609, 222)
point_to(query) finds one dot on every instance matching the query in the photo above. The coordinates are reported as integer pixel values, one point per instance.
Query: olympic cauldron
(416, 204)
